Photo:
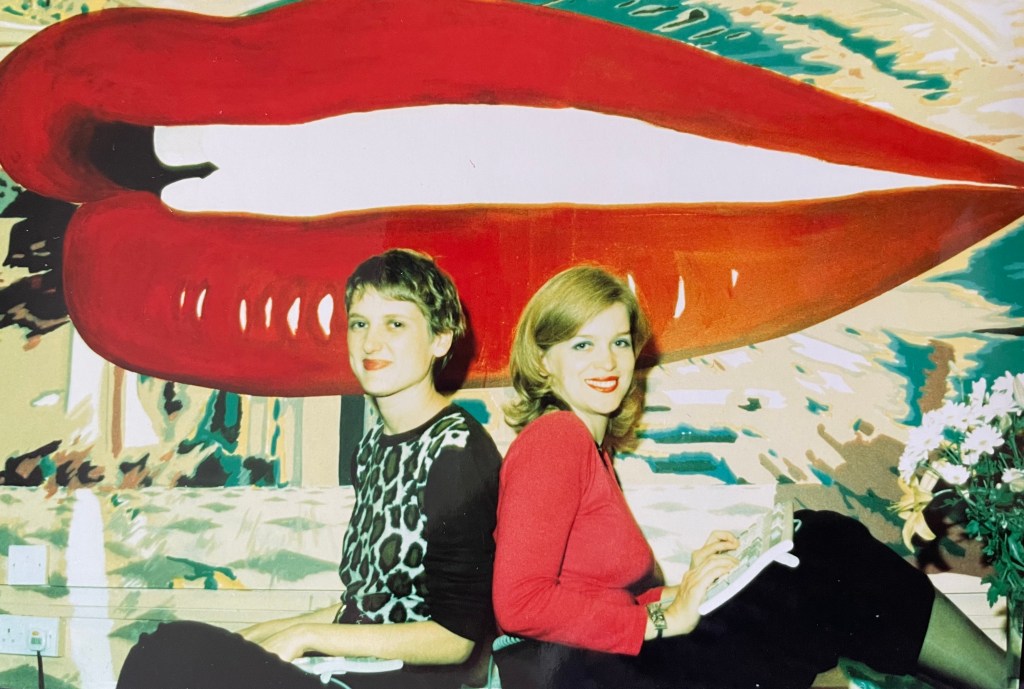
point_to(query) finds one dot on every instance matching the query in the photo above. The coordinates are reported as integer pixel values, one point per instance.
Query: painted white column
(90, 624)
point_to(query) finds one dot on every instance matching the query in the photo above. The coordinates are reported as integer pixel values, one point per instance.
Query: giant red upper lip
(161, 292)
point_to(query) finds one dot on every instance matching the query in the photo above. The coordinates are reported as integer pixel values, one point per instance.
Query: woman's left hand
(718, 542)
(709, 563)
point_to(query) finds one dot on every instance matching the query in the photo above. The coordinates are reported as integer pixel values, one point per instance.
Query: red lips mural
(254, 304)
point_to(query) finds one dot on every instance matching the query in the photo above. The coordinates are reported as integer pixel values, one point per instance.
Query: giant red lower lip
(232, 301)
(375, 364)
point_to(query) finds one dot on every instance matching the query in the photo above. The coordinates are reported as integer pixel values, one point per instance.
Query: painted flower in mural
(975, 448)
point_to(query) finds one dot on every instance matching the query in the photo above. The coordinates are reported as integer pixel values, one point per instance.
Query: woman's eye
(580, 346)
(397, 324)
(624, 343)
(356, 325)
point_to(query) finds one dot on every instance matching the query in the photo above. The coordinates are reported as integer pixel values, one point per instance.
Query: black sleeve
(460, 502)
(353, 469)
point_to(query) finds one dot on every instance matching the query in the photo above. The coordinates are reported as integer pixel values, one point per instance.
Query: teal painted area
(863, 677)
(47, 466)
(996, 272)
(8, 191)
(998, 355)
(207, 573)
(877, 52)
(193, 526)
(477, 409)
(25, 676)
(9, 537)
(753, 404)
(269, 6)
(297, 523)
(750, 433)
(823, 476)
(705, 26)
(217, 507)
(686, 433)
(287, 565)
(816, 407)
(219, 426)
(56, 587)
(277, 428)
(914, 363)
(154, 573)
(689, 463)
(120, 549)
(217, 434)
(55, 537)
(131, 632)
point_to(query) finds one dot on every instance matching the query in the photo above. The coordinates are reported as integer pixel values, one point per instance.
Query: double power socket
(23, 635)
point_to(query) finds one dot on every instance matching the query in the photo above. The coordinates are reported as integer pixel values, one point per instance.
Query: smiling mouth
(605, 385)
(375, 364)
(241, 290)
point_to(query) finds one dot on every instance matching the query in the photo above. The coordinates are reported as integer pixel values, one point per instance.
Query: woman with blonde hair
(573, 573)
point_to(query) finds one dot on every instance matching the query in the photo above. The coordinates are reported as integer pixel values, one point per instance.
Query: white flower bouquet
(974, 447)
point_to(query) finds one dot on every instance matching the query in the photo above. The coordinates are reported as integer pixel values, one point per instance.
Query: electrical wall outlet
(26, 565)
(23, 635)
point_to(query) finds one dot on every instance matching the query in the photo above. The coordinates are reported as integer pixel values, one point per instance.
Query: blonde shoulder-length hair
(555, 314)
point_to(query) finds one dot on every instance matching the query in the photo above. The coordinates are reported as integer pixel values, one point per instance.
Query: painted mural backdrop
(817, 203)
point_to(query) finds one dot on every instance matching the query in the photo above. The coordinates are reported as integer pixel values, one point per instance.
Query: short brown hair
(408, 275)
(558, 310)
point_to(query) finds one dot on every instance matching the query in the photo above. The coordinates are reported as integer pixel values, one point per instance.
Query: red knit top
(568, 548)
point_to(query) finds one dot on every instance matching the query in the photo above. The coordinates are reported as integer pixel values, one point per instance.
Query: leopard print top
(397, 523)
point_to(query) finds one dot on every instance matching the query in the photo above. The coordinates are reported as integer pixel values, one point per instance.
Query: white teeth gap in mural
(467, 154)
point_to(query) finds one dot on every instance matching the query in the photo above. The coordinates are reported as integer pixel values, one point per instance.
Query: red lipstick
(609, 384)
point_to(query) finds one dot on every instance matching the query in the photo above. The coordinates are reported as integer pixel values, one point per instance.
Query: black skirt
(851, 596)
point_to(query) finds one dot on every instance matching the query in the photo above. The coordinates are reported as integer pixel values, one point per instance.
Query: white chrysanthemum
(983, 440)
(952, 415)
(953, 474)
(923, 439)
(1014, 478)
(909, 462)
(969, 457)
(976, 400)
(1003, 384)
(1001, 403)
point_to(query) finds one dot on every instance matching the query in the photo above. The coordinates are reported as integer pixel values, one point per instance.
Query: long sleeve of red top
(568, 548)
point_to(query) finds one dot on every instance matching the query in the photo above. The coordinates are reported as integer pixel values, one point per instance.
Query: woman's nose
(605, 358)
(372, 341)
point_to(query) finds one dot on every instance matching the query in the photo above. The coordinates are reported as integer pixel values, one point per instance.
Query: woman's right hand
(708, 564)
(260, 632)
